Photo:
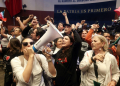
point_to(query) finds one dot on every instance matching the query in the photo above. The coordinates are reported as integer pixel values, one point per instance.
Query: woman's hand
(112, 83)
(29, 51)
(99, 57)
(95, 26)
(46, 52)
(64, 14)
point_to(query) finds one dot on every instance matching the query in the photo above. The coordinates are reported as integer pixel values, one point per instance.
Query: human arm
(86, 62)
(44, 27)
(89, 34)
(28, 19)
(26, 30)
(23, 73)
(47, 18)
(78, 27)
(28, 69)
(3, 31)
(20, 23)
(51, 67)
(66, 18)
(114, 72)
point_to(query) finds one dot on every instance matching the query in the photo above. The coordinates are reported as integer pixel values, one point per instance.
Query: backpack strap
(22, 64)
(22, 60)
(39, 60)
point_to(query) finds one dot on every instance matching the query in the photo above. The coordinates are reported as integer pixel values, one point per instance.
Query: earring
(100, 49)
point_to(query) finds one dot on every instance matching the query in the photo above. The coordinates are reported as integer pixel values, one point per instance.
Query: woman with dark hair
(13, 49)
(57, 45)
(28, 67)
(66, 60)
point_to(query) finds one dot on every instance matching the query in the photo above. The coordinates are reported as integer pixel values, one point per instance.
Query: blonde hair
(103, 39)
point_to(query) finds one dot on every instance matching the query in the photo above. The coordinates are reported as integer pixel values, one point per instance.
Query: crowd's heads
(17, 31)
(117, 35)
(58, 42)
(26, 43)
(84, 34)
(67, 28)
(60, 26)
(67, 41)
(14, 44)
(6, 30)
(107, 36)
(99, 42)
(37, 33)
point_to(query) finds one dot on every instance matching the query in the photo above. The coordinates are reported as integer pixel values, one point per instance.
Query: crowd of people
(82, 57)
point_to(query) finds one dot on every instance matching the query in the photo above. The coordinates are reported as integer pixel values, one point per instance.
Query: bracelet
(49, 60)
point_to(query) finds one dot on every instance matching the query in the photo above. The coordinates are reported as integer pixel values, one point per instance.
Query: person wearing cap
(68, 29)
(61, 25)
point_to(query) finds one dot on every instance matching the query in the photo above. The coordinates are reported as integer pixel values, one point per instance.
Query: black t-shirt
(65, 64)
(8, 56)
(85, 46)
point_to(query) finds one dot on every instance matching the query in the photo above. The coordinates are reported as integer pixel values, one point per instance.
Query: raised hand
(17, 18)
(95, 26)
(73, 26)
(64, 14)
(77, 25)
(47, 18)
(34, 22)
(31, 16)
(2, 29)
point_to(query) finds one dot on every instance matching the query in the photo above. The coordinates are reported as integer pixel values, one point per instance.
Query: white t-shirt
(18, 37)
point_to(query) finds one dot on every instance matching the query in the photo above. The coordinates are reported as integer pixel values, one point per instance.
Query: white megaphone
(51, 34)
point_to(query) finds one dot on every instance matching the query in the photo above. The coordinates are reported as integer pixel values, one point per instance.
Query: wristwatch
(49, 60)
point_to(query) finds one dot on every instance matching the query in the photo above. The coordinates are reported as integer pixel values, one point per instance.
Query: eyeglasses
(26, 43)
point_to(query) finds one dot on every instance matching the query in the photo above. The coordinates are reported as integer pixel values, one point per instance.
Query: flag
(103, 27)
(2, 16)
(13, 6)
